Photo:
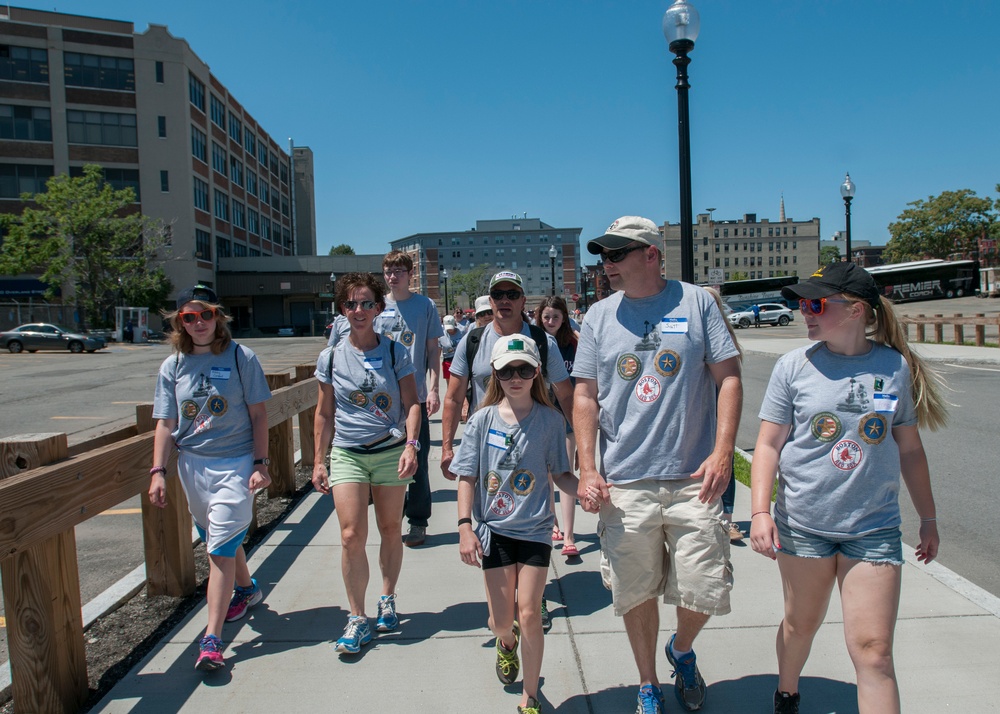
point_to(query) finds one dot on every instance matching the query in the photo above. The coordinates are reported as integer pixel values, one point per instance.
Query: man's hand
(447, 454)
(260, 478)
(716, 471)
(433, 402)
(592, 491)
(320, 479)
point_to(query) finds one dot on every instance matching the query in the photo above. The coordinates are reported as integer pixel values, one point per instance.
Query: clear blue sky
(426, 116)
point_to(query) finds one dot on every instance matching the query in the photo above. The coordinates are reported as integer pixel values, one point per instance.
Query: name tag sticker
(674, 326)
(389, 312)
(497, 439)
(220, 373)
(885, 402)
(373, 363)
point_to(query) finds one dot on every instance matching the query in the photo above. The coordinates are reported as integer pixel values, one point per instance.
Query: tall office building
(76, 90)
(518, 244)
(747, 246)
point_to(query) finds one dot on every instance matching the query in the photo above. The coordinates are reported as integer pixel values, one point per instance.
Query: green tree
(472, 283)
(739, 275)
(342, 249)
(951, 222)
(829, 254)
(83, 234)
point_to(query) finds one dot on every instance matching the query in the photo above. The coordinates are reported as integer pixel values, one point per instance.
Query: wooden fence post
(41, 590)
(938, 325)
(166, 532)
(980, 329)
(959, 331)
(307, 419)
(281, 447)
(921, 335)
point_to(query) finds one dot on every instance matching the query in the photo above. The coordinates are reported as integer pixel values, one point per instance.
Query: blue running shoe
(688, 684)
(650, 700)
(387, 620)
(243, 599)
(356, 634)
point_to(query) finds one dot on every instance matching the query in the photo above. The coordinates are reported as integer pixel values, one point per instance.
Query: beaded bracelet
(158, 470)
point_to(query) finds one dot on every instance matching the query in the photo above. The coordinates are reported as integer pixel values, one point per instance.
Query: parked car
(286, 332)
(770, 314)
(43, 336)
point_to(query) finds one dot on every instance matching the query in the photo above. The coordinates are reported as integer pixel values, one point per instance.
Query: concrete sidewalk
(442, 659)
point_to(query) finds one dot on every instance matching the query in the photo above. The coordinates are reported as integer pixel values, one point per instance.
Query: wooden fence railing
(47, 488)
(979, 322)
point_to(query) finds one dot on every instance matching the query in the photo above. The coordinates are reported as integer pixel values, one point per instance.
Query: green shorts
(378, 469)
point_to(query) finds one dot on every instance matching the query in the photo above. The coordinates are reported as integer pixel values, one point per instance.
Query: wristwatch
(414, 443)
(262, 462)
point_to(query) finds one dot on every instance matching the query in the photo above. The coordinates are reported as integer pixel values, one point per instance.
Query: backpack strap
(541, 338)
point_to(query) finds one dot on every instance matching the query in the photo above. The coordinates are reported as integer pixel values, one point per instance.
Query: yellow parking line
(121, 512)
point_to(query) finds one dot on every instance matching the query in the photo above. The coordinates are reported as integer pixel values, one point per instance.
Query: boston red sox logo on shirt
(647, 389)
(846, 455)
(503, 504)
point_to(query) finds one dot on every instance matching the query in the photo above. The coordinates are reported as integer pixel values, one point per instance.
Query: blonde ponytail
(885, 328)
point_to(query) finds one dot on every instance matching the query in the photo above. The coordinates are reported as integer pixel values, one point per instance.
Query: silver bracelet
(928, 520)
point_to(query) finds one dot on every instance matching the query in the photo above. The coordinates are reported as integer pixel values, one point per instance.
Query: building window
(221, 206)
(284, 205)
(218, 112)
(274, 163)
(262, 154)
(265, 228)
(253, 221)
(265, 192)
(236, 170)
(218, 158)
(200, 194)
(161, 127)
(24, 64)
(118, 179)
(718, 263)
(165, 181)
(16, 179)
(249, 142)
(718, 246)
(706, 257)
(251, 183)
(99, 72)
(795, 245)
(725, 263)
(199, 145)
(159, 72)
(725, 248)
(202, 244)
(760, 247)
(770, 260)
(275, 199)
(239, 250)
(196, 92)
(235, 128)
(25, 123)
(238, 215)
(786, 230)
(103, 128)
(795, 259)
(794, 229)
(254, 253)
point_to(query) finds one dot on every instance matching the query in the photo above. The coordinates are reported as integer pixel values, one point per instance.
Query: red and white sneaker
(210, 658)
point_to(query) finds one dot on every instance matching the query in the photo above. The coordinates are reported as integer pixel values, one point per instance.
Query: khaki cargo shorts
(659, 539)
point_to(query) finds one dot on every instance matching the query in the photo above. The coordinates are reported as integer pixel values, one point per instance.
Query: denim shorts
(881, 546)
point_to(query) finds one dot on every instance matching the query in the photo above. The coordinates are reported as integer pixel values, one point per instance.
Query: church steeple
(781, 212)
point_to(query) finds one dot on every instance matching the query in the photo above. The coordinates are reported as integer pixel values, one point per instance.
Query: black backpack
(540, 336)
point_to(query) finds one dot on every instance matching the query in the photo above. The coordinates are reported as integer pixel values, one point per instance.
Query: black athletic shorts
(506, 551)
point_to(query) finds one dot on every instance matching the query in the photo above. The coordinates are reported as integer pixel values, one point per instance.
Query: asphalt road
(83, 395)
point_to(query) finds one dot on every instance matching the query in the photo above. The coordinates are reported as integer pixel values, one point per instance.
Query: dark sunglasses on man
(509, 294)
(617, 256)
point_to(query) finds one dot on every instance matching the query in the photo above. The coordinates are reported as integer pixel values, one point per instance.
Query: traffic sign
(576, 297)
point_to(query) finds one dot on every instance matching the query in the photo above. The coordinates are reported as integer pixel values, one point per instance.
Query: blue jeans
(418, 496)
(729, 495)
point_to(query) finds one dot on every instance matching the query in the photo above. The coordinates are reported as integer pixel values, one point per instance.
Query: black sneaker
(415, 537)
(689, 687)
(785, 703)
(546, 620)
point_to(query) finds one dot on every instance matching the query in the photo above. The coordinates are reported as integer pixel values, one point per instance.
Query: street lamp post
(444, 279)
(680, 27)
(552, 263)
(847, 191)
(333, 291)
(583, 284)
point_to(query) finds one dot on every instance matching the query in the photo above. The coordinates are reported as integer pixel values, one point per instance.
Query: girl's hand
(407, 463)
(764, 535)
(158, 490)
(929, 541)
(320, 479)
(259, 479)
(592, 491)
(469, 546)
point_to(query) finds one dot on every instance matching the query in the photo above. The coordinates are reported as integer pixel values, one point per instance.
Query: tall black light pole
(847, 191)
(552, 262)
(444, 279)
(583, 284)
(680, 27)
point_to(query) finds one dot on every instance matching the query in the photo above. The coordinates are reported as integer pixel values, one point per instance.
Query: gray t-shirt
(448, 342)
(411, 323)
(366, 389)
(555, 370)
(650, 357)
(208, 396)
(839, 469)
(511, 465)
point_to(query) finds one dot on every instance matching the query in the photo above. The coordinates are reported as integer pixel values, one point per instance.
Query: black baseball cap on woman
(836, 278)
(200, 293)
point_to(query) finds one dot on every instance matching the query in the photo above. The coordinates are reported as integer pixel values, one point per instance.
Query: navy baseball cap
(200, 293)
(836, 278)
